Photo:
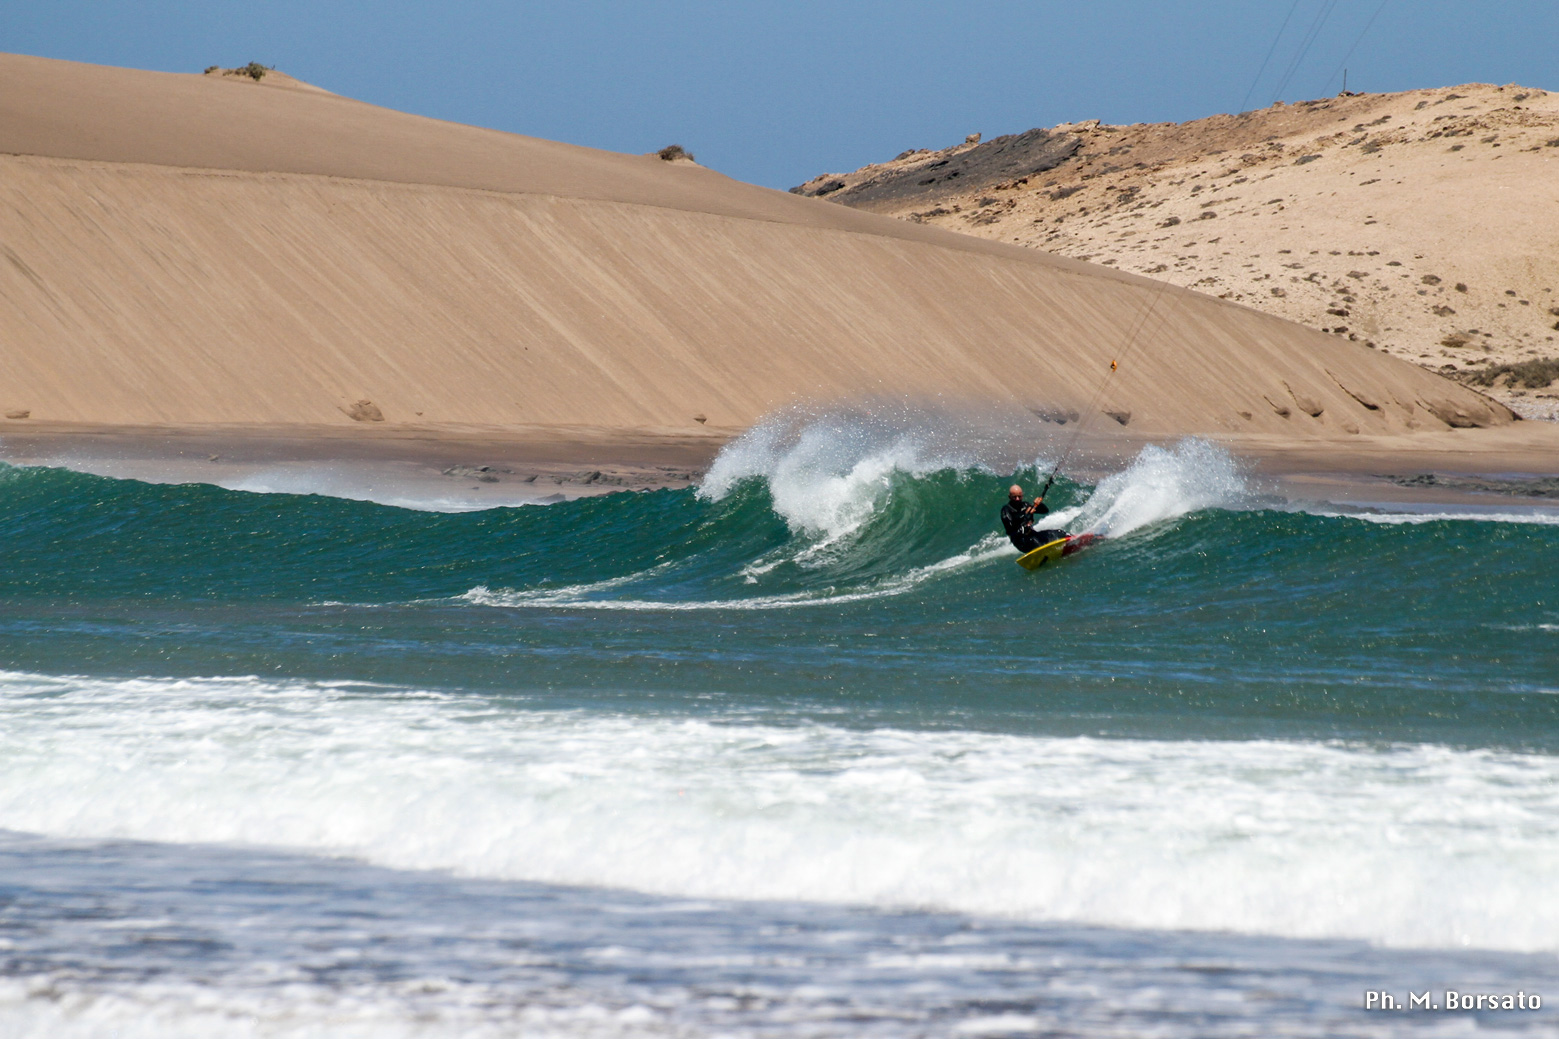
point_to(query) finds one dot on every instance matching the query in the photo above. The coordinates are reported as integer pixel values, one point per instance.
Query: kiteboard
(1054, 550)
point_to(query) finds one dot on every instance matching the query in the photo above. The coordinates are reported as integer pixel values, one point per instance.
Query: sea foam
(1161, 484)
(1413, 845)
(828, 474)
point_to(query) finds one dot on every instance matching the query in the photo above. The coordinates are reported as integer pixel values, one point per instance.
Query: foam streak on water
(243, 942)
(1408, 846)
(1441, 514)
(587, 596)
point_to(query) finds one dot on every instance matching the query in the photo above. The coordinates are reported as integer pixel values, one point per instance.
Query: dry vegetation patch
(254, 70)
(1347, 214)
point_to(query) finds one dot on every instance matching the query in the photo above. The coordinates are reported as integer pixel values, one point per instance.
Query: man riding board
(1018, 519)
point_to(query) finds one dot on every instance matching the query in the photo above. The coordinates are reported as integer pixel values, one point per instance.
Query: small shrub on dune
(254, 70)
(673, 152)
(1534, 375)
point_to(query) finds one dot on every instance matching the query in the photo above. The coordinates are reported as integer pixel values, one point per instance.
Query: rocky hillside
(1424, 224)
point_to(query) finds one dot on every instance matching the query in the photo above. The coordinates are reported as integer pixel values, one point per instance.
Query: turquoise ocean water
(797, 752)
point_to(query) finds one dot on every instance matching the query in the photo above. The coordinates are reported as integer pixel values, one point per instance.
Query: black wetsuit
(1020, 526)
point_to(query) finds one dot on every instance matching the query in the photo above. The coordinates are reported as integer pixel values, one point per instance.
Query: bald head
(1015, 491)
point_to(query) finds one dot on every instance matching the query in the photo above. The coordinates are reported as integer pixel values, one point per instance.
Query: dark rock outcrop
(997, 161)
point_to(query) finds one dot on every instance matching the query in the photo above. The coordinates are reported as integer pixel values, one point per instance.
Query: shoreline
(477, 467)
(468, 467)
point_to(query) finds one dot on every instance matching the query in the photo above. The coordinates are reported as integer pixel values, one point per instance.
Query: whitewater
(796, 752)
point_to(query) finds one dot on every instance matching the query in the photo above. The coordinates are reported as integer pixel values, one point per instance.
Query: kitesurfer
(1018, 519)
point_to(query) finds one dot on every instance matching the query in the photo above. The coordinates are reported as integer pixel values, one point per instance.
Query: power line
(1115, 364)
(1344, 62)
(1304, 48)
(1270, 51)
(1316, 25)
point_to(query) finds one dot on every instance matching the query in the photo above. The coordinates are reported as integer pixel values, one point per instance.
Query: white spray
(828, 475)
(1160, 484)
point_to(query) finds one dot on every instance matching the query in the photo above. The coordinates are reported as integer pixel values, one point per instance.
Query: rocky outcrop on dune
(1420, 224)
(923, 175)
(187, 250)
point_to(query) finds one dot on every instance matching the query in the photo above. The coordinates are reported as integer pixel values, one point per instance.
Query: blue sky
(776, 92)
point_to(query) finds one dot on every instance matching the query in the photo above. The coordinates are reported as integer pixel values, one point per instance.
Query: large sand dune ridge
(180, 250)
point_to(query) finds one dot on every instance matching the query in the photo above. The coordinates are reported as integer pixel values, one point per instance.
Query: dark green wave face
(867, 587)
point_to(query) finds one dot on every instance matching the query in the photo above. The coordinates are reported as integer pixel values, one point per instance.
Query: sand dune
(1421, 223)
(203, 251)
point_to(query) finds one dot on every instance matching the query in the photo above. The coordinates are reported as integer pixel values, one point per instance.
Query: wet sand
(473, 468)
(481, 467)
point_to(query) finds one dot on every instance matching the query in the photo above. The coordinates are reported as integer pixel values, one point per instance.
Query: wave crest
(1161, 484)
(828, 474)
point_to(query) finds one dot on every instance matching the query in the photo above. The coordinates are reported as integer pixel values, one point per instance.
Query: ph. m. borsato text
(1453, 1000)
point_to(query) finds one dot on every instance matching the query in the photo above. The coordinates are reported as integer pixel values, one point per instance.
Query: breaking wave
(875, 508)
(1295, 838)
